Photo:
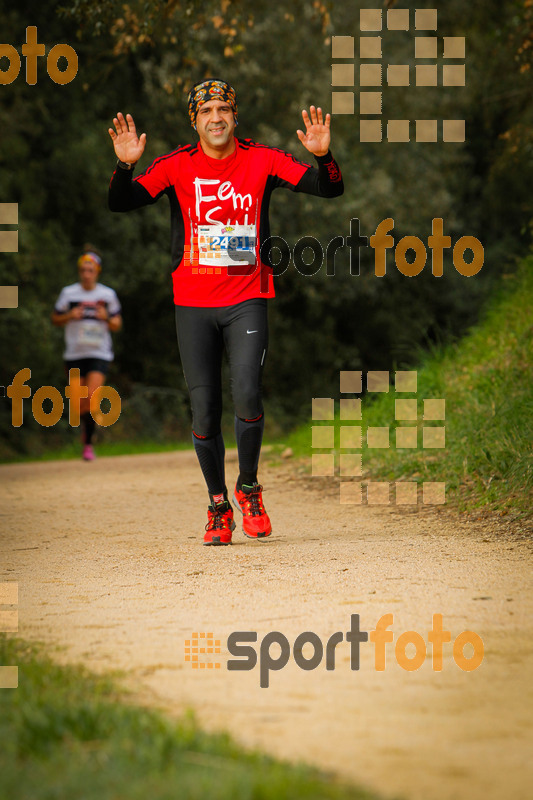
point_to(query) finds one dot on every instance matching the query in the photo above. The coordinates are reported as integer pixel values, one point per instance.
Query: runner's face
(88, 272)
(215, 124)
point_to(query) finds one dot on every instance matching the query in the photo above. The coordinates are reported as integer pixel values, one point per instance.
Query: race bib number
(226, 245)
(91, 333)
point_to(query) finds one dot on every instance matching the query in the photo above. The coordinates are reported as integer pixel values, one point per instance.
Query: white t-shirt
(88, 337)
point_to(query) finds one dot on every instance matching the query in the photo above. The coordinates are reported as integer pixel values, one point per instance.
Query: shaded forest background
(56, 159)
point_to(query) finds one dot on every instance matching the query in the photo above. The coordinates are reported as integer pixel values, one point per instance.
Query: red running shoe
(255, 521)
(219, 524)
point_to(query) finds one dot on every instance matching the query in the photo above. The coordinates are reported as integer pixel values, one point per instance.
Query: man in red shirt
(219, 191)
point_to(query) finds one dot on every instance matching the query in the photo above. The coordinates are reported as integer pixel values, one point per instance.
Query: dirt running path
(110, 566)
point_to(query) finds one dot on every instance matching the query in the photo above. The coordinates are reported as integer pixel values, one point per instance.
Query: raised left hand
(317, 135)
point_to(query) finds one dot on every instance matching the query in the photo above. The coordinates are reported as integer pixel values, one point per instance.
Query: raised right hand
(128, 146)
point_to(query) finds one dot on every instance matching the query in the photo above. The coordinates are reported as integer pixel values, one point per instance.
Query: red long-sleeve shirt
(224, 194)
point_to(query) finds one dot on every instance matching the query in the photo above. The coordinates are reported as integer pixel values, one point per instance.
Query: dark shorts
(86, 365)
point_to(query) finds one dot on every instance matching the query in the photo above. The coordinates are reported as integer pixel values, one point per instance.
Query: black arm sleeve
(326, 181)
(126, 194)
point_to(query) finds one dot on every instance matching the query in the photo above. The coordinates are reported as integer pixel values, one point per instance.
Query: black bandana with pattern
(210, 89)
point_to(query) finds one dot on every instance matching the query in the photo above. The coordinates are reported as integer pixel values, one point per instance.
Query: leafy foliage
(56, 160)
(69, 733)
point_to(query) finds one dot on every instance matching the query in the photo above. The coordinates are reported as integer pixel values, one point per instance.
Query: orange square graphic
(453, 75)
(433, 437)
(370, 102)
(426, 19)
(398, 19)
(370, 19)
(434, 408)
(9, 677)
(9, 241)
(406, 493)
(351, 437)
(370, 47)
(342, 46)
(426, 130)
(405, 409)
(377, 381)
(398, 130)
(9, 593)
(9, 213)
(406, 437)
(323, 436)
(351, 465)
(454, 46)
(342, 75)
(351, 382)
(406, 381)
(342, 103)
(350, 408)
(370, 74)
(351, 493)
(398, 74)
(426, 75)
(370, 130)
(434, 493)
(9, 296)
(377, 493)
(323, 408)
(453, 130)
(193, 651)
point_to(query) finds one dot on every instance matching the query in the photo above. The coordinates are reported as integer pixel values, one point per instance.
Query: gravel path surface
(110, 566)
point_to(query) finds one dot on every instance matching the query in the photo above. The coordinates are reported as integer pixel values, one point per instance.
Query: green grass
(68, 734)
(103, 449)
(486, 379)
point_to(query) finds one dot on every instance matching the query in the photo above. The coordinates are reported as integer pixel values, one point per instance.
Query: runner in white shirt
(90, 312)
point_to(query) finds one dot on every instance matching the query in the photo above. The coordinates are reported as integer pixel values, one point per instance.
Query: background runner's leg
(246, 340)
(200, 344)
(93, 380)
(88, 428)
